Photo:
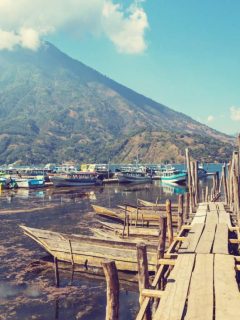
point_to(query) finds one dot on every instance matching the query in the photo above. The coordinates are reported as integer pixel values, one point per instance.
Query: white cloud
(235, 113)
(24, 22)
(210, 118)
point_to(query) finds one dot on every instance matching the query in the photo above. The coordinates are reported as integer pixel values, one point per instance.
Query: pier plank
(200, 216)
(190, 243)
(200, 299)
(224, 217)
(221, 239)
(207, 238)
(172, 303)
(227, 296)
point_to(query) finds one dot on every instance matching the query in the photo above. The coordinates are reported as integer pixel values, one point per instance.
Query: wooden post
(180, 212)
(187, 207)
(196, 182)
(169, 221)
(111, 275)
(125, 220)
(56, 272)
(162, 237)
(189, 178)
(203, 198)
(143, 276)
(192, 166)
(128, 226)
(224, 179)
(206, 194)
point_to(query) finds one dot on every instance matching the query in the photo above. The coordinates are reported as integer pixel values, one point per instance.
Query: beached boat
(90, 251)
(173, 175)
(138, 217)
(79, 179)
(29, 183)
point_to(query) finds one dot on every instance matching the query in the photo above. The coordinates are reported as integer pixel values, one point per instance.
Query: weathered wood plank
(227, 296)
(221, 239)
(189, 245)
(172, 303)
(200, 299)
(207, 238)
(224, 217)
(200, 216)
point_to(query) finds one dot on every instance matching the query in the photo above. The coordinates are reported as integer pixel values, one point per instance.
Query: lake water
(27, 288)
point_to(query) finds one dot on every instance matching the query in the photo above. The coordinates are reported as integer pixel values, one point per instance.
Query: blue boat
(173, 175)
(30, 183)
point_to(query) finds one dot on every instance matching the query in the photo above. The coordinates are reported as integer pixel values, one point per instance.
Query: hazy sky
(182, 53)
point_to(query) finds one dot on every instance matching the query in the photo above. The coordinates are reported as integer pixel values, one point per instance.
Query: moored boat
(29, 183)
(134, 176)
(79, 179)
(90, 251)
(173, 175)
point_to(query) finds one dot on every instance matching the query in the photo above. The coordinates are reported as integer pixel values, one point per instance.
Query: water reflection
(173, 188)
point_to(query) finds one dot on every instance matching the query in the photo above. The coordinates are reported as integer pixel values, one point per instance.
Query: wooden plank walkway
(202, 284)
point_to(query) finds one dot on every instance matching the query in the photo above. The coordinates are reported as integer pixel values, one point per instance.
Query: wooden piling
(169, 221)
(111, 275)
(224, 180)
(162, 237)
(143, 276)
(187, 207)
(196, 182)
(56, 272)
(180, 212)
(189, 179)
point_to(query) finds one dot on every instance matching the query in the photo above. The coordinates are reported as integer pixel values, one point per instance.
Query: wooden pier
(202, 283)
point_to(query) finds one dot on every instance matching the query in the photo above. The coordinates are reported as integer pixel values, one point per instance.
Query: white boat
(133, 176)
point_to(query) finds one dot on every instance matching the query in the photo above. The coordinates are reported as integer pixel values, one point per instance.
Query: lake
(27, 288)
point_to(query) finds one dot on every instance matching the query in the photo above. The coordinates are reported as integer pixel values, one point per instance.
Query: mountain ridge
(54, 108)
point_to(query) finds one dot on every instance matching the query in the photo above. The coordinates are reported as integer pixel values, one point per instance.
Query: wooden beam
(237, 267)
(234, 241)
(168, 262)
(180, 238)
(151, 293)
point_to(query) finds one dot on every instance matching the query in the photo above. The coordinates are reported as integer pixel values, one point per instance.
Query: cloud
(235, 113)
(210, 118)
(25, 22)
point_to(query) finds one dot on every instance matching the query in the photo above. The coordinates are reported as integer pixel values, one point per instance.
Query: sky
(182, 53)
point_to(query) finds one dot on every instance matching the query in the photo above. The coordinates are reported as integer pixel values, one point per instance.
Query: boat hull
(125, 178)
(65, 182)
(90, 251)
(30, 183)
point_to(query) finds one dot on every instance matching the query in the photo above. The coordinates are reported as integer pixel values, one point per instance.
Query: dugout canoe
(136, 217)
(90, 251)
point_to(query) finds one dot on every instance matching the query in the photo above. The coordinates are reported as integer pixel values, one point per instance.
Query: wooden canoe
(90, 251)
(149, 218)
(135, 231)
(116, 235)
(153, 205)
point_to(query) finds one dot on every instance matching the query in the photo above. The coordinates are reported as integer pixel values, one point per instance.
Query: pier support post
(56, 272)
(143, 276)
(187, 207)
(169, 221)
(224, 180)
(111, 275)
(180, 212)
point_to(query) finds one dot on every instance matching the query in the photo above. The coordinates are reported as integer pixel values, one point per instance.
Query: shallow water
(27, 288)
